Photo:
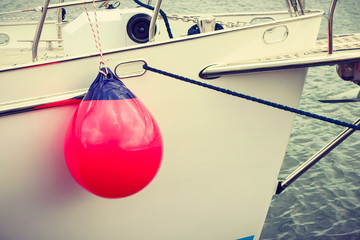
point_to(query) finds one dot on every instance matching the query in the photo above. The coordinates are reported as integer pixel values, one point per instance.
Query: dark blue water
(325, 202)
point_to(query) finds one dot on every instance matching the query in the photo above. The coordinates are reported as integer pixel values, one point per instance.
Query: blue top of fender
(108, 88)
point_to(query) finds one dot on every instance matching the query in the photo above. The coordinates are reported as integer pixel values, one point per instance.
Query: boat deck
(15, 56)
(346, 48)
(341, 43)
(344, 45)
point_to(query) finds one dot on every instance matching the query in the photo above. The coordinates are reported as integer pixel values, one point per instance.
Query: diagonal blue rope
(254, 99)
(163, 14)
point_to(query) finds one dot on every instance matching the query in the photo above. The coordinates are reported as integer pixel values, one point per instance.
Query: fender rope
(254, 99)
(96, 37)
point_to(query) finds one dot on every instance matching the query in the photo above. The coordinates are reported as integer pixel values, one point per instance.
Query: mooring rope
(254, 99)
(163, 14)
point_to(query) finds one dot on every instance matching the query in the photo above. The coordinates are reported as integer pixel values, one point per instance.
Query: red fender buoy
(113, 146)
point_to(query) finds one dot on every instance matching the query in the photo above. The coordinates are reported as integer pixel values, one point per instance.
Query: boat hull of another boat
(222, 155)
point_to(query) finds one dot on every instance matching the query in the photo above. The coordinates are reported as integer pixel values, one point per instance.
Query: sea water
(325, 202)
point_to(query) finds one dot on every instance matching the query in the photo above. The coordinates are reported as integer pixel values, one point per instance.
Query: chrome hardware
(44, 9)
(316, 157)
(302, 6)
(59, 20)
(330, 26)
(276, 34)
(176, 17)
(292, 5)
(289, 8)
(54, 6)
(153, 21)
(32, 104)
(218, 70)
(74, 3)
(258, 20)
(39, 30)
(194, 19)
(206, 24)
(130, 69)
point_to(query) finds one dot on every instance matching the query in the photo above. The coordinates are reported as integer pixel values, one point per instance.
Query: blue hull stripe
(247, 238)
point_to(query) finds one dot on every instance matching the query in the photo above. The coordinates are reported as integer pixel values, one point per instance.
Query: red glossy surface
(113, 148)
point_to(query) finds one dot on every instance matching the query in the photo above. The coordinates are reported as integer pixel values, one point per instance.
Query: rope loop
(254, 99)
(102, 63)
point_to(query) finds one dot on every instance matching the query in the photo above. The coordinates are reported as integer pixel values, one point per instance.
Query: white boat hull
(222, 155)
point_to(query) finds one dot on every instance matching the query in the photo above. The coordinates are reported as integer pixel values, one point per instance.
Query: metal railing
(40, 26)
(38, 31)
(46, 6)
(330, 26)
(153, 20)
(293, 7)
(282, 185)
